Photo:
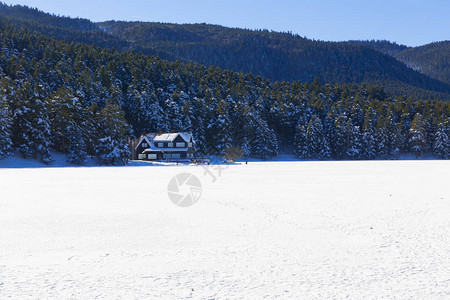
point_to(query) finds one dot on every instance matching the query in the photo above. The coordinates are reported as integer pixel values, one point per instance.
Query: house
(165, 146)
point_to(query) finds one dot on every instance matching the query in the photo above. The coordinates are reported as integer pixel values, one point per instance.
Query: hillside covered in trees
(278, 56)
(271, 55)
(432, 59)
(83, 100)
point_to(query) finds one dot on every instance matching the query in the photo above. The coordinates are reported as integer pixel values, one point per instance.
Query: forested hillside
(432, 59)
(274, 56)
(383, 46)
(82, 100)
(277, 56)
(59, 27)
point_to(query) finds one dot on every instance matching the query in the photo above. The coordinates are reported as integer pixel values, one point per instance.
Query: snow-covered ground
(294, 230)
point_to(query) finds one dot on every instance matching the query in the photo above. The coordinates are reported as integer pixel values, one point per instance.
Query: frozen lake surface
(311, 230)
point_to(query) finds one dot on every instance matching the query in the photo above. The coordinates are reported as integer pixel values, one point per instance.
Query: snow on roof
(186, 136)
(170, 137)
(165, 137)
(148, 138)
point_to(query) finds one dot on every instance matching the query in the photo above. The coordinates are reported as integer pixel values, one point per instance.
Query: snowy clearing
(361, 229)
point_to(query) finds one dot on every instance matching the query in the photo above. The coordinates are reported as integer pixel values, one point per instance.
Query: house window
(141, 156)
(180, 145)
(170, 145)
(145, 145)
(160, 145)
(189, 144)
(152, 156)
(176, 155)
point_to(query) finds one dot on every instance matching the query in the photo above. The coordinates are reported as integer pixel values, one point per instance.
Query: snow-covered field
(293, 230)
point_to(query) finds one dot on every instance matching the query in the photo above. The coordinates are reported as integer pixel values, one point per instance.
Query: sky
(408, 22)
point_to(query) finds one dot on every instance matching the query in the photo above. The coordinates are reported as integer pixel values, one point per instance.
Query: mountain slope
(59, 27)
(274, 56)
(383, 46)
(431, 59)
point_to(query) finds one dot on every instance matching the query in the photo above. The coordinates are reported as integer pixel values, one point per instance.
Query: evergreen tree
(382, 139)
(112, 146)
(300, 145)
(76, 153)
(341, 137)
(441, 141)
(220, 132)
(368, 145)
(245, 146)
(199, 136)
(6, 146)
(393, 136)
(317, 146)
(264, 143)
(417, 135)
(354, 146)
(300, 141)
(65, 115)
(31, 125)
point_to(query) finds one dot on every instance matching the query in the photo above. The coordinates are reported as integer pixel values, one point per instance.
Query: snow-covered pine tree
(300, 142)
(31, 125)
(431, 127)
(341, 137)
(111, 152)
(417, 135)
(398, 141)
(199, 136)
(368, 145)
(220, 129)
(63, 112)
(405, 125)
(263, 141)
(6, 146)
(381, 138)
(112, 146)
(76, 152)
(272, 143)
(354, 146)
(175, 116)
(316, 143)
(357, 115)
(394, 139)
(137, 108)
(158, 118)
(70, 125)
(245, 146)
(329, 128)
(260, 145)
(441, 148)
